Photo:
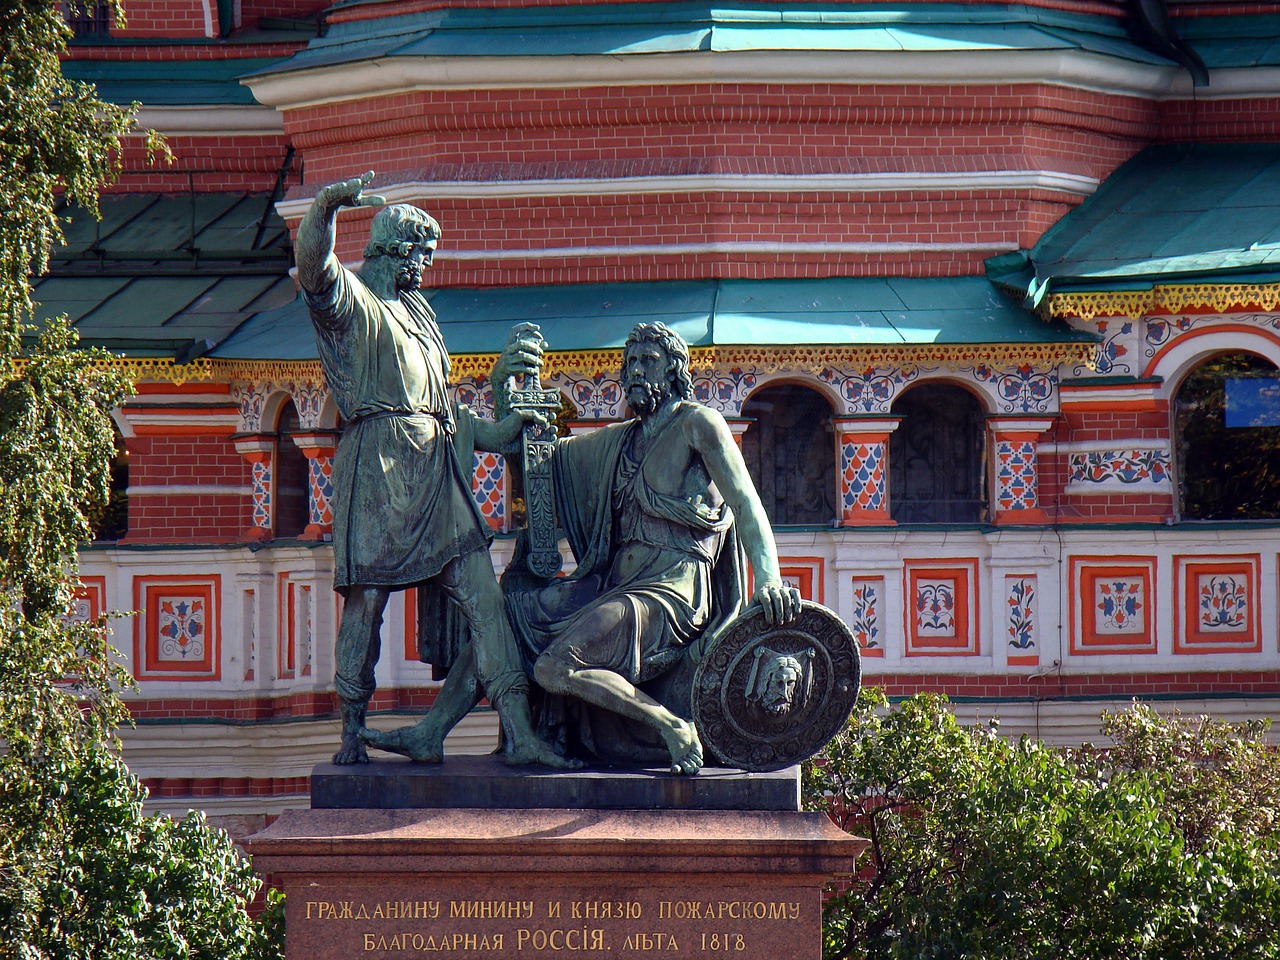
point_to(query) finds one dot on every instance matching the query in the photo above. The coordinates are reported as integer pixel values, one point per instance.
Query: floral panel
(942, 607)
(866, 617)
(1217, 605)
(1021, 627)
(1113, 605)
(176, 633)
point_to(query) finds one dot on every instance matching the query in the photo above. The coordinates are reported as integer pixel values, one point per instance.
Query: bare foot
(541, 754)
(685, 747)
(420, 742)
(351, 751)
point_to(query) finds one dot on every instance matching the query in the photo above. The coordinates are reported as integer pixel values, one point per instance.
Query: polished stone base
(511, 884)
(486, 782)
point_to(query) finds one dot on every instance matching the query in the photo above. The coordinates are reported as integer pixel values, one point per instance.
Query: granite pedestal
(564, 870)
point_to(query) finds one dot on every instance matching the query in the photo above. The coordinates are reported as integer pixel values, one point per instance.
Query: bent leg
(560, 670)
(358, 648)
(470, 581)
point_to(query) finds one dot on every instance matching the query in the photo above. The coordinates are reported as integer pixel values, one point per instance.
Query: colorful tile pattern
(1113, 605)
(488, 488)
(260, 477)
(176, 636)
(320, 479)
(862, 469)
(865, 620)
(1120, 467)
(942, 611)
(1217, 604)
(1016, 475)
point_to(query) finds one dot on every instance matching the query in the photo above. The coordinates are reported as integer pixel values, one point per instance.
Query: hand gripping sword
(538, 442)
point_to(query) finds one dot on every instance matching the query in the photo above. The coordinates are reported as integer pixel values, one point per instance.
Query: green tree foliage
(1163, 847)
(83, 872)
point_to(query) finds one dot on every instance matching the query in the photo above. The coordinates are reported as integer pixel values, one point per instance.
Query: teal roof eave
(1174, 213)
(170, 82)
(681, 27)
(829, 312)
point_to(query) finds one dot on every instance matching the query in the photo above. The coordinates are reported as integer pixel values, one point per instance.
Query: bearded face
(645, 378)
(409, 268)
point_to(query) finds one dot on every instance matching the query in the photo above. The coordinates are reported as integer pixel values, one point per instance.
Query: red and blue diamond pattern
(261, 479)
(1016, 475)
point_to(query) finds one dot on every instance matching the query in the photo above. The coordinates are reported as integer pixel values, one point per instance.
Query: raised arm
(710, 437)
(314, 245)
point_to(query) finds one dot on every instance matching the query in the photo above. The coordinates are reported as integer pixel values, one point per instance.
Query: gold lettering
(369, 943)
(553, 909)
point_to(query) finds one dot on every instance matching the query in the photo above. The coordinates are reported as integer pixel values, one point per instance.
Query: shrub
(1164, 847)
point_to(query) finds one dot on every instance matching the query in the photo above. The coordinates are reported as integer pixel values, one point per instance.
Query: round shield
(766, 697)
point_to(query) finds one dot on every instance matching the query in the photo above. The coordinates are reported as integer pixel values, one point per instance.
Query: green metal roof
(1172, 212)
(169, 82)
(839, 311)
(642, 28)
(168, 275)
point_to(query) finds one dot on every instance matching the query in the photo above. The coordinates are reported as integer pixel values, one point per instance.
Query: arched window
(790, 454)
(1227, 437)
(936, 457)
(292, 509)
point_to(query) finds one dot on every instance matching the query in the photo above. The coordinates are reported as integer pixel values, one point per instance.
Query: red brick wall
(167, 18)
(231, 163)
(186, 517)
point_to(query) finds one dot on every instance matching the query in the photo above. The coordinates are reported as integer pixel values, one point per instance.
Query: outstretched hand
(780, 602)
(350, 193)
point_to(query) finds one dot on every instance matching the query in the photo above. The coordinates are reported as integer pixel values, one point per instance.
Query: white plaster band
(189, 489)
(891, 181)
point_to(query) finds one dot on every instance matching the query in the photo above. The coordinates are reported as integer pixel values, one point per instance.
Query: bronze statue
(403, 510)
(658, 511)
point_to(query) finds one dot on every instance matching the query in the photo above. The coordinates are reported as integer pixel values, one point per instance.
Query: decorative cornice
(160, 368)
(589, 363)
(389, 76)
(1132, 304)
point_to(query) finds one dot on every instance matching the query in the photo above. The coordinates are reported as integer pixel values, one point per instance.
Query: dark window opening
(87, 20)
(790, 453)
(292, 480)
(936, 457)
(1225, 472)
(113, 522)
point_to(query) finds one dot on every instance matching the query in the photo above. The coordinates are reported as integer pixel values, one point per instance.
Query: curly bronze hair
(676, 349)
(398, 228)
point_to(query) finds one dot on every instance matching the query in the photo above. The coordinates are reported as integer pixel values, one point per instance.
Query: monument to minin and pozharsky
(652, 710)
